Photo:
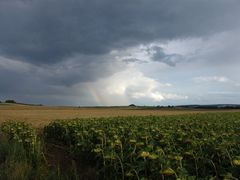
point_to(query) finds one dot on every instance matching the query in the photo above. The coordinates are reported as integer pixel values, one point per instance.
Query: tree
(10, 101)
(132, 105)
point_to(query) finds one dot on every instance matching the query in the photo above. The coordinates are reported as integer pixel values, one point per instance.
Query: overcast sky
(111, 52)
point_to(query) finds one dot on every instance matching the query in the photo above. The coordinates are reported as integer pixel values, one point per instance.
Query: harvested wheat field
(39, 116)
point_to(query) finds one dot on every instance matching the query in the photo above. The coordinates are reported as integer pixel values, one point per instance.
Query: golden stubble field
(39, 116)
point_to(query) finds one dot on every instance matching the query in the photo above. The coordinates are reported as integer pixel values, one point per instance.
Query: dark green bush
(10, 101)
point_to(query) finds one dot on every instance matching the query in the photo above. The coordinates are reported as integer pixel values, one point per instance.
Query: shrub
(10, 101)
(132, 105)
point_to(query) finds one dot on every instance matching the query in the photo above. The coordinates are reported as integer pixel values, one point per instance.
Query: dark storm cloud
(28, 83)
(50, 48)
(82, 68)
(49, 31)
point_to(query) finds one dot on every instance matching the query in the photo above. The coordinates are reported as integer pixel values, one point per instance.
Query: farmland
(118, 143)
(39, 116)
(184, 146)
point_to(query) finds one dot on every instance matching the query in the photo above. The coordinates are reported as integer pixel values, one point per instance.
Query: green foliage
(203, 146)
(183, 146)
(22, 133)
(132, 105)
(10, 101)
(21, 152)
(22, 156)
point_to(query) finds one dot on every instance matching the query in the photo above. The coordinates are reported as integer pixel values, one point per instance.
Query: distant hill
(18, 103)
(211, 106)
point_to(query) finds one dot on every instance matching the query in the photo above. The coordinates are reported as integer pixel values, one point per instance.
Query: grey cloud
(61, 44)
(160, 56)
(81, 68)
(49, 31)
(36, 87)
(133, 60)
(222, 48)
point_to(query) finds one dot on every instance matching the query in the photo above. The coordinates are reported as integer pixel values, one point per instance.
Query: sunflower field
(199, 146)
